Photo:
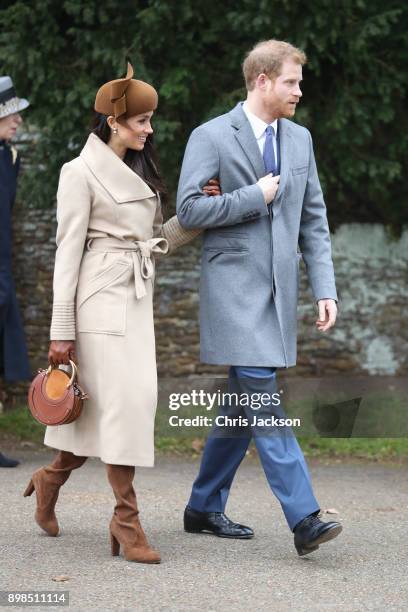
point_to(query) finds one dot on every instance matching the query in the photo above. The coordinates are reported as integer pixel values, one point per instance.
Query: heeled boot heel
(29, 490)
(46, 482)
(115, 546)
(126, 531)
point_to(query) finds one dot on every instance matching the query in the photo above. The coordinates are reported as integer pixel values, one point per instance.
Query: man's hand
(327, 314)
(212, 188)
(269, 185)
(61, 351)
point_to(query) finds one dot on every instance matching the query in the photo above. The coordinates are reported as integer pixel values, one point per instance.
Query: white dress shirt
(258, 127)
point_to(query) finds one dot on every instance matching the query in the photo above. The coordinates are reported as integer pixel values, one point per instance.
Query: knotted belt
(141, 253)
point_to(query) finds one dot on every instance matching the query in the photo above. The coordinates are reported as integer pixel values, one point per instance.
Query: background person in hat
(109, 228)
(14, 364)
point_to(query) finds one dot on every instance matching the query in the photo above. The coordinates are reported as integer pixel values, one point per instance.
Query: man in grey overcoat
(270, 204)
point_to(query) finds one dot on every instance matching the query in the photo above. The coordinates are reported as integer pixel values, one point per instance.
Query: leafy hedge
(59, 52)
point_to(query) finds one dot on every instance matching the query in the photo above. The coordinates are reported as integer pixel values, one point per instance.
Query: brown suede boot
(125, 527)
(47, 482)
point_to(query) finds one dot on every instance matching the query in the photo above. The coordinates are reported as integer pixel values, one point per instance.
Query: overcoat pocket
(102, 300)
(300, 170)
(213, 252)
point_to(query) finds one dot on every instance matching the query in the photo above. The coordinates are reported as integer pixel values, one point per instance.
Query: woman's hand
(61, 351)
(212, 188)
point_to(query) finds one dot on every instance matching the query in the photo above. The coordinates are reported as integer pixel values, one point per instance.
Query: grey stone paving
(365, 568)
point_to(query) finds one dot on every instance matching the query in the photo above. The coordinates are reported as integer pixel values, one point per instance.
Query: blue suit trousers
(280, 454)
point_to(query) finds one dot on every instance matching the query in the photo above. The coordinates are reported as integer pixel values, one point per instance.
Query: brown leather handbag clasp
(54, 397)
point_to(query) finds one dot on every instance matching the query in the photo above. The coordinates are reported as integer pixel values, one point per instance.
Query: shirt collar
(258, 125)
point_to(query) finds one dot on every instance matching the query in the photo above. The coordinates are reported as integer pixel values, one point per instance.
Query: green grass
(18, 424)
(375, 449)
(371, 449)
(378, 429)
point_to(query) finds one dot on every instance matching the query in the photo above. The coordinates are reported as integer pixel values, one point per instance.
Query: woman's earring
(115, 130)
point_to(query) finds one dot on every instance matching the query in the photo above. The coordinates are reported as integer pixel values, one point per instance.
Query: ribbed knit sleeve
(176, 236)
(63, 321)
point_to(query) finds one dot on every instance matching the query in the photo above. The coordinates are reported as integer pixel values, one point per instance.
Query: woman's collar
(119, 180)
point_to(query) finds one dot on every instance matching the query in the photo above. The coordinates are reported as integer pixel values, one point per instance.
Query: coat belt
(140, 251)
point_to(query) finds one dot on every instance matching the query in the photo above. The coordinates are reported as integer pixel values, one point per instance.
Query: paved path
(365, 568)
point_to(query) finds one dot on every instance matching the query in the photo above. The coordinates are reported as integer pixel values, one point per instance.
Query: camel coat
(109, 228)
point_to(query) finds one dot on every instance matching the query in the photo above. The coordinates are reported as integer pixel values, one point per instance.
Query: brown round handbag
(54, 397)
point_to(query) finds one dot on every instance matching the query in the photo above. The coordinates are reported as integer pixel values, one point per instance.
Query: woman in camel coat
(109, 230)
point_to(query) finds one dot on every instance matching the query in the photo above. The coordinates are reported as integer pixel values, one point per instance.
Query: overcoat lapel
(285, 142)
(246, 139)
(119, 180)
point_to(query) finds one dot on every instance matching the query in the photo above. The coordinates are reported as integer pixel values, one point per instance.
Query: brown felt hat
(126, 97)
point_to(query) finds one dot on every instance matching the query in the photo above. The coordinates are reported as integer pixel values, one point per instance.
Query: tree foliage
(60, 52)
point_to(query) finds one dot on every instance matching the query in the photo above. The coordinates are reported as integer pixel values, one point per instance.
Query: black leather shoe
(6, 462)
(216, 523)
(311, 532)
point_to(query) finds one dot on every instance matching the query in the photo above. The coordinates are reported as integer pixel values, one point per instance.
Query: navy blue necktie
(268, 152)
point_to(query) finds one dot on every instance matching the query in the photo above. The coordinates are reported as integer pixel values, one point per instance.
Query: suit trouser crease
(279, 452)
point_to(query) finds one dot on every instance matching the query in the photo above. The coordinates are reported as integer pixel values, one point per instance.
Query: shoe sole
(328, 535)
(219, 535)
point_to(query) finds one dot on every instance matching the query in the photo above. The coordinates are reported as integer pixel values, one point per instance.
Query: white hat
(9, 102)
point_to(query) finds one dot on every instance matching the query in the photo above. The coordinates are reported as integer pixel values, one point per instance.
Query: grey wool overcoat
(250, 257)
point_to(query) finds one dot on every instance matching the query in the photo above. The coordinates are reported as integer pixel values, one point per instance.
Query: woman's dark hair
(144, 163)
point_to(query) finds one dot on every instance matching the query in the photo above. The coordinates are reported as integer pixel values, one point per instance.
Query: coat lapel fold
(285, 153)
(246, 139)
(117, 178)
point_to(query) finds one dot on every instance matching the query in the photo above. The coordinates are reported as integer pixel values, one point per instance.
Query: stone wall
(371, 336)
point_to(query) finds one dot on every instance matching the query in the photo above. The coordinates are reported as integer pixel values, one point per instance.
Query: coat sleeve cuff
(176, 235)
(63, 321)
(325, 294)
